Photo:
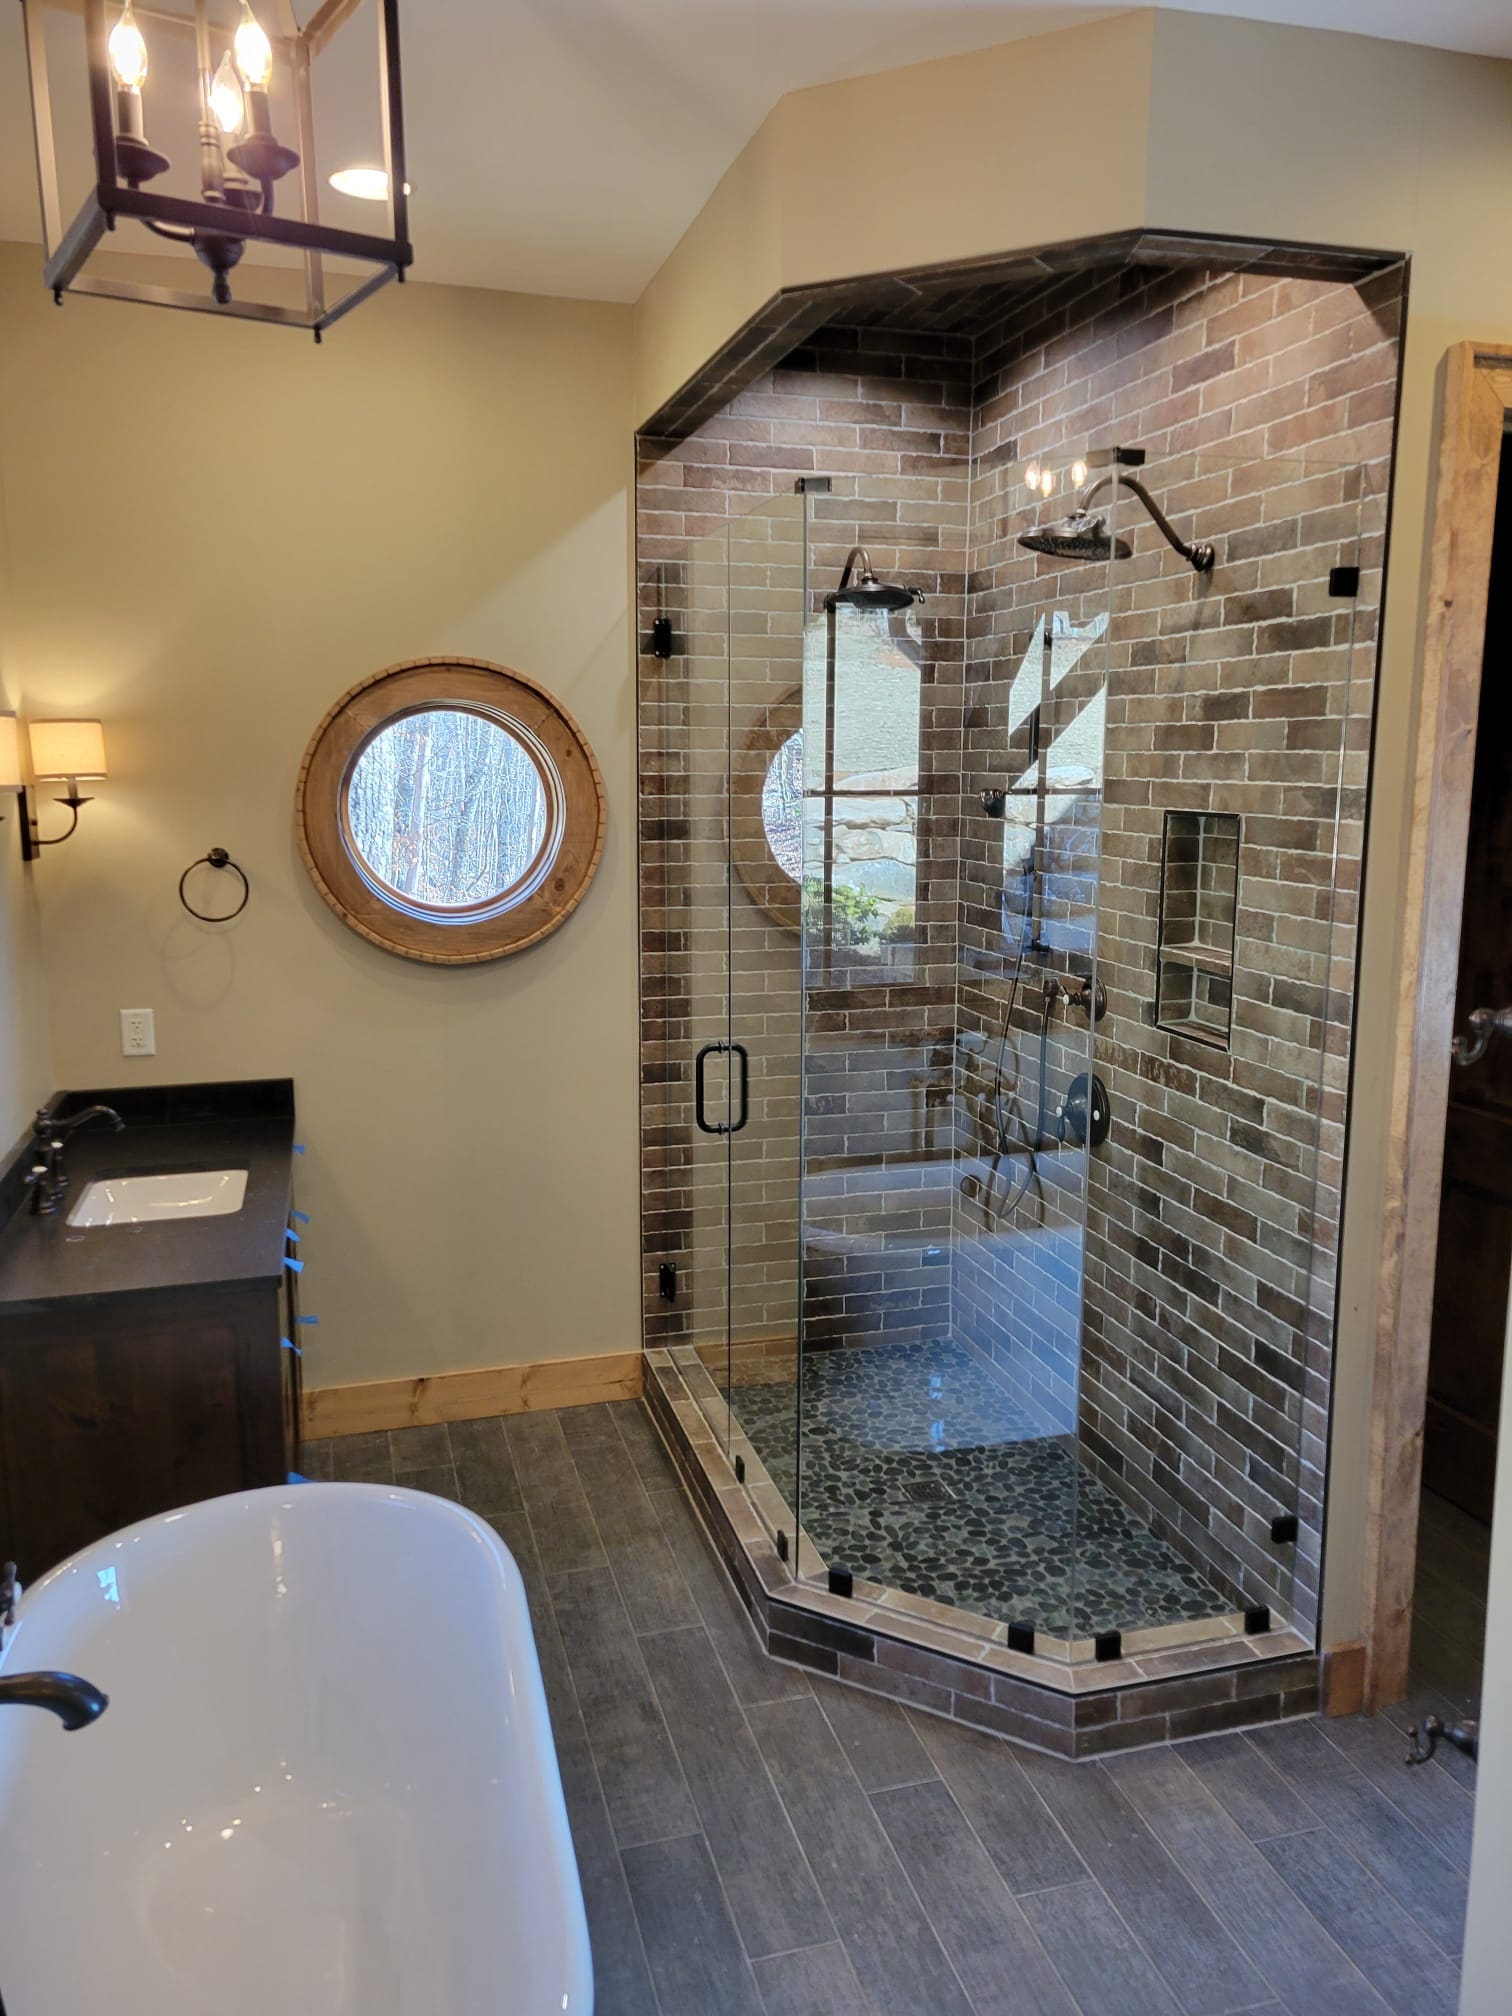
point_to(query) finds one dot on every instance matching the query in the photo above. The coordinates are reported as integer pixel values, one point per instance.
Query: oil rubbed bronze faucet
(75, 1702)
(47, 1179)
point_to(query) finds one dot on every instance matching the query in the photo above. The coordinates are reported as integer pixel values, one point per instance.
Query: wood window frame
(576, 835)
(1477, 403)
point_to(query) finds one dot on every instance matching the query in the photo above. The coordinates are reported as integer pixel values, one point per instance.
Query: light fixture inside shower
(233, 98)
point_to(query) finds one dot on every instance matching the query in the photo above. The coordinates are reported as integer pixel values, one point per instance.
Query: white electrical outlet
(138, 1036)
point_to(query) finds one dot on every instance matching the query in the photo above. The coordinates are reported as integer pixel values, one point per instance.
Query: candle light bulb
(128, 51)
(1078, 473)
(254, 52)
(1032, 476)
(226, 97)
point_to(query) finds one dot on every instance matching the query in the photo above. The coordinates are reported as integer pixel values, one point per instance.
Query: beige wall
(1019, 145)
(25, 1051)
(1179, 122)
(213, 531)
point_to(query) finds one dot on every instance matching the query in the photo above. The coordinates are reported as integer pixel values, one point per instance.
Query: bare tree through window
(447, 807)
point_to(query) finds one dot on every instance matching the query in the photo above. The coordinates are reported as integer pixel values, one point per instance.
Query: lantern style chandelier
(201, 127)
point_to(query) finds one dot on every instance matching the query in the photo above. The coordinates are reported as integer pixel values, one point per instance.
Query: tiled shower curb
(1067, 1711)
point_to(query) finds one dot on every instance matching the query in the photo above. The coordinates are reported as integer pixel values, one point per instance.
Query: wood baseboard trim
(367, 1405)
(1341, 1682)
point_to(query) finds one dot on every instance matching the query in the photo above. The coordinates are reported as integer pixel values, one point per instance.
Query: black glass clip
(661, 637)
(782, 1546)
(1284, 1528)
(1107, 1645)
(1021, 1638)
(1257, 1620)
(1343, 580)
(666, 1280)
(740, 1469)
(841, 1582)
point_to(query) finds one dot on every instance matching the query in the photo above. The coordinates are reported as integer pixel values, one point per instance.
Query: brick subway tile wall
(1194, 1367)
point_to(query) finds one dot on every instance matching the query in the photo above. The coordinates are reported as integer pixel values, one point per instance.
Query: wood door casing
(1475, 1210)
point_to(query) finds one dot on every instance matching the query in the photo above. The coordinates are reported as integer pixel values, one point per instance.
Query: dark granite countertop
(241, 1125)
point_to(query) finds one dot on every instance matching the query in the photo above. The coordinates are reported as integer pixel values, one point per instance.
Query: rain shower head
(1084, 535)
(866, 591)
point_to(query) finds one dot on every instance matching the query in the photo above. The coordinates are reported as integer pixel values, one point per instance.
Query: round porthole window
(450, 811)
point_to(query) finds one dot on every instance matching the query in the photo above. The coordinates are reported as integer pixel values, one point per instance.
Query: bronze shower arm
(1201, 555)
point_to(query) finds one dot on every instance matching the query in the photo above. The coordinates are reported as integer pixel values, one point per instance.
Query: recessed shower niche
(1013, 1423)
(1199, 894)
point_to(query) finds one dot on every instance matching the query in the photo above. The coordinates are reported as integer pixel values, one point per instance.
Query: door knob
(1484, 1024)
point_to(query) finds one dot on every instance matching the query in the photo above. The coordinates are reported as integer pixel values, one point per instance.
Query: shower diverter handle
(700, 1066)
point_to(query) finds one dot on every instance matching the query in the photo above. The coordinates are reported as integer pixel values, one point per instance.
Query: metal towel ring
(216, 858)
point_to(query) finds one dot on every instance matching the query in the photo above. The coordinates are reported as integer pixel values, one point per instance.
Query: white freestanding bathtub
(325, 1781)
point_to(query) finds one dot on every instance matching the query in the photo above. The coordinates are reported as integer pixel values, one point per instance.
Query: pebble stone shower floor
(920, 1473)
(756, 1842)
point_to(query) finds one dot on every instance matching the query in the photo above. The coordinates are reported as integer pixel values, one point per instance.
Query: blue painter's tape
(290, 1233)
(302, 1216)
(307, 1319)
(296, 1478)
(299, 1147)
(288, 1346)
(291, 1262)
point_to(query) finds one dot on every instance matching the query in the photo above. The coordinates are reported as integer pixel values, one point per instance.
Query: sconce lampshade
(68, 749)
(10, 753)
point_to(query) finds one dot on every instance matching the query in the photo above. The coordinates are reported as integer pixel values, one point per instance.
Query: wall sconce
(61, 751)
(10, 755)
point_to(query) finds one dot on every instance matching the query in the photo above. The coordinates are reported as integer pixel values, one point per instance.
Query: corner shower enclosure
(999, 974)
(936, 992)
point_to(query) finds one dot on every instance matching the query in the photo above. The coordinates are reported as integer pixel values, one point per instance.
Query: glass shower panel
(767, 561)
(951, 796)
(1236, 753)
(704, 702)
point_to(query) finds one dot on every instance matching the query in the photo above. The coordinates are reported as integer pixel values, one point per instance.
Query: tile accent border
(1067, 1711)
(929, 296)
(367, 1405)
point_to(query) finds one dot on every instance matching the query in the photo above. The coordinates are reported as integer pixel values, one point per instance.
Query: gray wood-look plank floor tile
(426, 1448)
(876, 1736)
(643, 1442)
(541, 1457)
(1030, 1849)
(1252, 1791)
(1436, 1804)
(892, 1946)
(767, 1880)
(753, 1675)
(1403, 1861)
(622, 1979)
(440, 1480)
(695, 1953)
(655, 1594)
(486, 1480)
(817, 1982)
(995, 1951)
(1182, 1934)
(1298, 1959)
(1096, 1954)
(362, 1459)
(638, 1768)
(727, 1848)
(1394, 1954)
(319, 1460)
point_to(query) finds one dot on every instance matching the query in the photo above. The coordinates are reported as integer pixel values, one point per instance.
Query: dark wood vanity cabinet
(113, 1410)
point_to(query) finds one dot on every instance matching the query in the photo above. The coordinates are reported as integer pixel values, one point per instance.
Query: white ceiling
(562, 146)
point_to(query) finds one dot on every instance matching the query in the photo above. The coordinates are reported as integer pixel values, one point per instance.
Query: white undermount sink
(152, 1200)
